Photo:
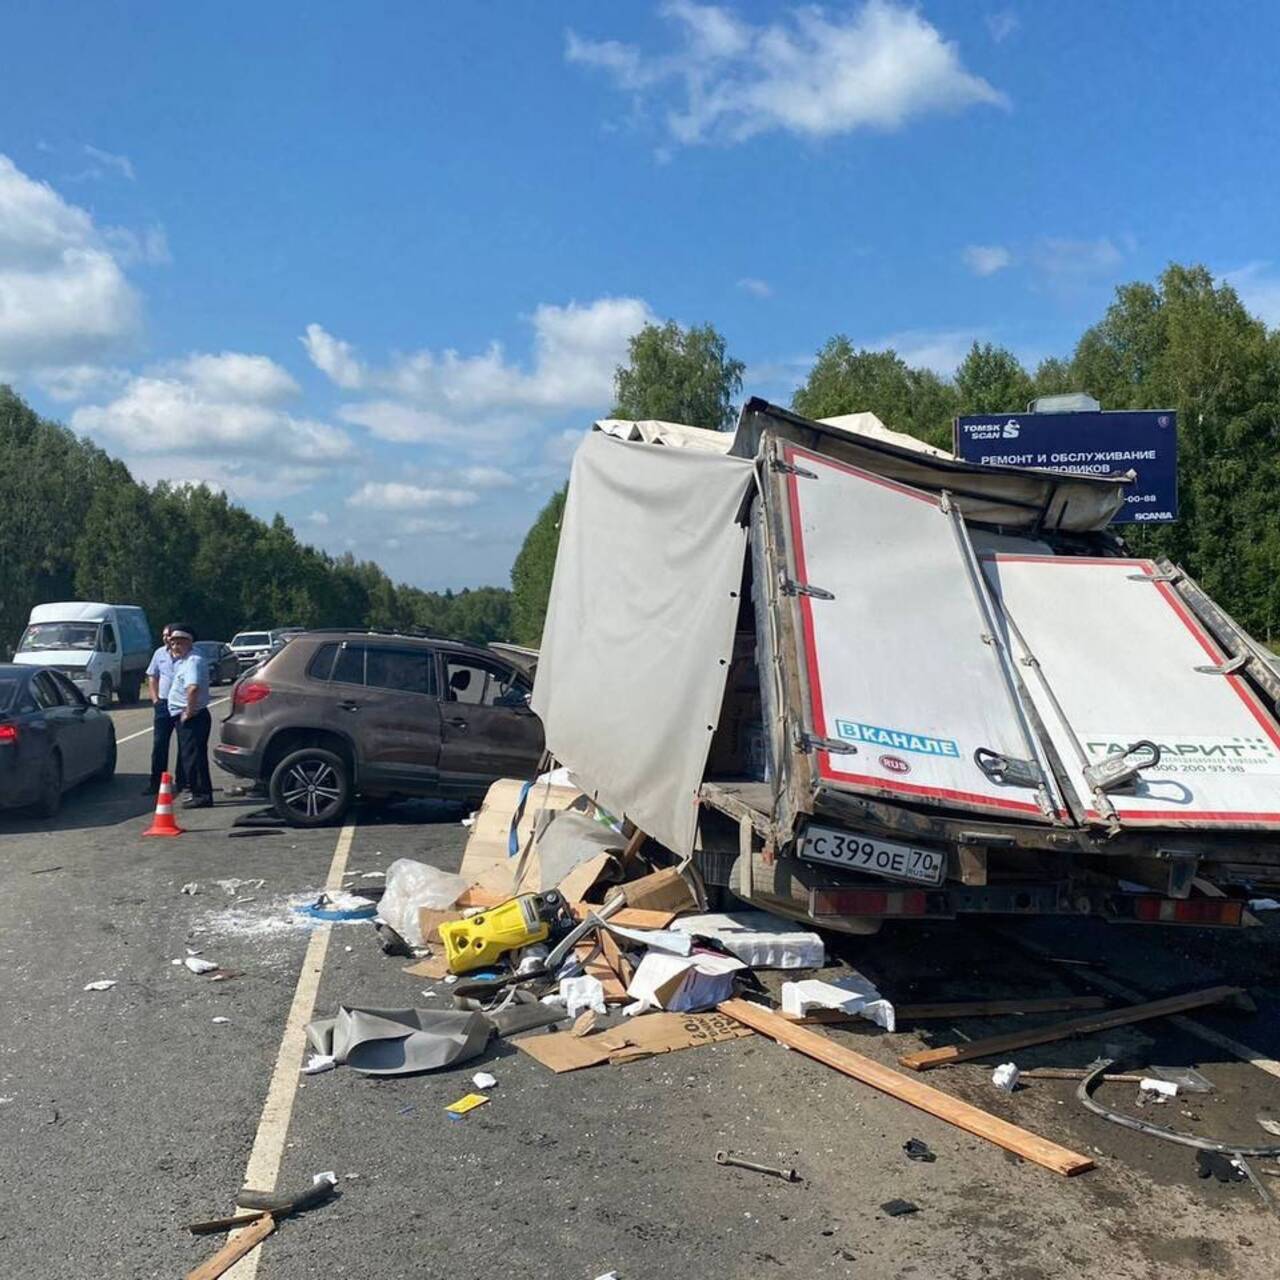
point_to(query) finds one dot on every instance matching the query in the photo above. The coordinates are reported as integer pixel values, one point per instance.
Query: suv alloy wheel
(311, 787)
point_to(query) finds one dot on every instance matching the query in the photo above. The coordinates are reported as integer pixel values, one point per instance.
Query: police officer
(159, 677)
(189, 706)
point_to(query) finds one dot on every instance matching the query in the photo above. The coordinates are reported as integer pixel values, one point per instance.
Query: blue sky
(372, 266)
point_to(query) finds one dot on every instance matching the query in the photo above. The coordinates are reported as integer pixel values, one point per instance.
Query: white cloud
(986, 259)
(877, 66)
(320, 518)
(940, 350)
(756, 287)
(150, 246)
(72, 382)
(394, 496)
(1002, 24)
(109, 160)
(333, 358)
(64, 299)
(215, 406)
(560, 448)
(1258, 285)
(486, 477)
(443, 396)
(237, 377)
(1066, 260)
(415, 526)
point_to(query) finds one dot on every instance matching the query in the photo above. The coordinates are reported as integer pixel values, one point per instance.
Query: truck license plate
(875, 857)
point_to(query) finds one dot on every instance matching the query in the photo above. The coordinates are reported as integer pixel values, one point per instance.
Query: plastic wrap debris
(1005, 1077)
(483, 1080)
(852, 994)
(582, 994)
(399, 1041)
(411, 886)
(319, 1062)
(678, 944)
(682, 984)
(103, 984)
(759, 939)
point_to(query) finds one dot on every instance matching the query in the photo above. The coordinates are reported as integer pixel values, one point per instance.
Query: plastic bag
(412, 885)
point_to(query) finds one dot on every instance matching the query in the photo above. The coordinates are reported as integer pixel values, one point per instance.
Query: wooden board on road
(973, 1120)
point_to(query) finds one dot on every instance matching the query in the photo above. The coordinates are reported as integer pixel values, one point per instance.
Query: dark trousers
(161, 731)
(193, 750)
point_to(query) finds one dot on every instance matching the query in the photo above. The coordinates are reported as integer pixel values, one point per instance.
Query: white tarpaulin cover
(640, 626)
(1120, 654)
(895, 663)
(675, 434)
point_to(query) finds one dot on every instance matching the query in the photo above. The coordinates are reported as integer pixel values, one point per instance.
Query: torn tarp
(388, 1042)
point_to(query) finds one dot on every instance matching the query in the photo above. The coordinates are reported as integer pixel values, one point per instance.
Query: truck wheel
(49, 797)
(130, 688)
(311, 787)
(105, 690)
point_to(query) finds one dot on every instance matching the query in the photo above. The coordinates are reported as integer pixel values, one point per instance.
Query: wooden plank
(973, 1120)
(958, 1009)
(927, 1058)
(234, 1250)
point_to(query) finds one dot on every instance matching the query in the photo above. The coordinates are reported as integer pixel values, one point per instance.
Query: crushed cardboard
(644, 1037)
(664, 890)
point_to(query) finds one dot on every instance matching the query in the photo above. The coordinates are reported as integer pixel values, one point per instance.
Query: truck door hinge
(1228, 668)
(836, 746)
(789, 587)
(790, 469)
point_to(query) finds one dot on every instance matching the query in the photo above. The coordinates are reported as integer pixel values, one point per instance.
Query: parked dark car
(340, 712)
(224, 666)
(51, 738)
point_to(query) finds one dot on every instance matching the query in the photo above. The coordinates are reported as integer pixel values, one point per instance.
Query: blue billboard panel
(1145, 442)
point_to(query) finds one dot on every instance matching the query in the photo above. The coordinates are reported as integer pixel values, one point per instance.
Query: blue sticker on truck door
(898, 739)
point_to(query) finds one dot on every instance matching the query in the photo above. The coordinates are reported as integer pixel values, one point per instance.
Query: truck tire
(130, 688)
(105, 690)
(311, 787)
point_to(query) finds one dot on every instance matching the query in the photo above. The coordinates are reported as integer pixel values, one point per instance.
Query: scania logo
(895, 764)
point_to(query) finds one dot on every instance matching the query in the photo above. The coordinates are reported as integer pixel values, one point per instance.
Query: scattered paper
(678, 944)
(196, 965)
(1162, 1088)
(456, 1110)
(1005, 1077)
(190, 888)
(319, 1062)
(103, 984)
(683, 984)
(483, 1080)
(219, 1021)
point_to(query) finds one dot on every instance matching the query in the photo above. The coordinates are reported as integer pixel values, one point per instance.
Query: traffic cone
(163, 824)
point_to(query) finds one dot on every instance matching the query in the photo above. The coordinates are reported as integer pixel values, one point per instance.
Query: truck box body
(857, 679)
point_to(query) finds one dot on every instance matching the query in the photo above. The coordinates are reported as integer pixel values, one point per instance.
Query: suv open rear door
(909, 690)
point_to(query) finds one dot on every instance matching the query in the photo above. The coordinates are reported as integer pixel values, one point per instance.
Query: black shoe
(198, 802)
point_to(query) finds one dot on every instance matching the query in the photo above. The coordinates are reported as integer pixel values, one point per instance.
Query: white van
(103, 649)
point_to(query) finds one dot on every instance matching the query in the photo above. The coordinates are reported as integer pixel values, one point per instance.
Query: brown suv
(336, 712)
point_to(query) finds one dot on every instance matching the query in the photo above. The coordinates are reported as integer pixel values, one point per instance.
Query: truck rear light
(870, 902)
(8, 733)
(1156, 910)
(254, 691)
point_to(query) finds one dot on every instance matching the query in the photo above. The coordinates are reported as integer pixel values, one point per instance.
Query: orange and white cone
(163, 823)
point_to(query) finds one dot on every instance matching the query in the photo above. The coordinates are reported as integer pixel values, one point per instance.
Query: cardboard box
(639, 1037)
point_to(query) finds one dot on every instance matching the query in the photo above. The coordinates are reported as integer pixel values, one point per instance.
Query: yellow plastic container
(483, 939)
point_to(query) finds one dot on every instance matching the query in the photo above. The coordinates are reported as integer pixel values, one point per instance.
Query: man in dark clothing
(189, 705)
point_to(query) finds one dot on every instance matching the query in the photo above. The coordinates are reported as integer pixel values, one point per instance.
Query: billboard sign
(1144, 441)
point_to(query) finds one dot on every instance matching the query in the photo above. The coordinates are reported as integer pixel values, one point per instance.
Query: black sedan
(224, 666)
(50, 739)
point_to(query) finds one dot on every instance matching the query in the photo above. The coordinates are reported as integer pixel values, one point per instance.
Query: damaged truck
(853, 678)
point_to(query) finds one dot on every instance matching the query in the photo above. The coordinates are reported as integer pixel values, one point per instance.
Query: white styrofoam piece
(759, 939)
(851, 994)
(682, 984)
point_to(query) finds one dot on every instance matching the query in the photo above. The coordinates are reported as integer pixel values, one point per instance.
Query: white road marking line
(141, 732)
(273, 1126)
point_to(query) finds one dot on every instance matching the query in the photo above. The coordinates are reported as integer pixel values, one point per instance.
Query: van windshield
(59, 635)
(259, 638)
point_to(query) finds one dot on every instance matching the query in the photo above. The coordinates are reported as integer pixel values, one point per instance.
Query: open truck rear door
(1117, 660)
(909, 689)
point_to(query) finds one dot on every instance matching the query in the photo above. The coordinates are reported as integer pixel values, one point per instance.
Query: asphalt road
(126, 1113)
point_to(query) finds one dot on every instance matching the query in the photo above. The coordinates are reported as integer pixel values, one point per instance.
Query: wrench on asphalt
(727, 1157)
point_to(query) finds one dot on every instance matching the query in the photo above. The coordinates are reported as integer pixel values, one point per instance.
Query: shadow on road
(90, 805)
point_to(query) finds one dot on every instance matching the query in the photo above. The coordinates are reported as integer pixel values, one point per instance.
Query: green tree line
(1185, 342)
(75, 525)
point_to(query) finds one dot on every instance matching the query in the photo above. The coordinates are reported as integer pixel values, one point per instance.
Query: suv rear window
(321, 665)
(376, 667)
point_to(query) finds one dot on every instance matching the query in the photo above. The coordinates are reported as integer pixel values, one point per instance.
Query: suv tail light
(252, 691)
(8, 733)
